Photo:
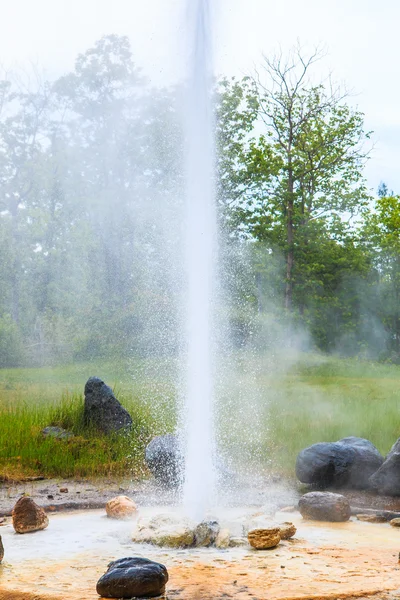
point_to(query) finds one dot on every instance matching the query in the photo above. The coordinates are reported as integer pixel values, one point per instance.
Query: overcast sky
(360, 36)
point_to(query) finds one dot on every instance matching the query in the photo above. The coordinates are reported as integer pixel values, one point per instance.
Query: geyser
(201, 257)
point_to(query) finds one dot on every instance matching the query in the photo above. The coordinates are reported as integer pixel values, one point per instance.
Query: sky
(360, 38)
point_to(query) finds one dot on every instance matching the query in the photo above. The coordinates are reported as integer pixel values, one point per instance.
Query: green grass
(268, 410)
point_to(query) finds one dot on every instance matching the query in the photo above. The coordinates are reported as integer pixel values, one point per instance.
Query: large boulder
(27, 516)
(386, 480)
(350, 462)
(165, 460)
(133, 577)
(102, 410)
(324, 506)
(366, 461)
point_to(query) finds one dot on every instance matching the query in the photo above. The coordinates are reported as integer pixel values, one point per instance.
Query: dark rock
(133, 577)
(325, 464)
(27, 516)
(324, 506)
(349, 463)
(102, 410)
(386, 480)
(367, 460)
(206, 533)
(57, 432)
(164, 459)
(1, 550)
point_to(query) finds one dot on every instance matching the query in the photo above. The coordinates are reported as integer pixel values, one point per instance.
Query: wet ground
(64, 562)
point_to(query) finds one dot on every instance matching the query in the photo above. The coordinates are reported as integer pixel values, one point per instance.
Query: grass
(268, 410)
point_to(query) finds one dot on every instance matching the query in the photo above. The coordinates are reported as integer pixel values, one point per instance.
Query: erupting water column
(201, 250)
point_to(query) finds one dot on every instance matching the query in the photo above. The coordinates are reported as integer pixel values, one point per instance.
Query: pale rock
(121, 507)
(237, 541)
(165, 530)
(223, 539)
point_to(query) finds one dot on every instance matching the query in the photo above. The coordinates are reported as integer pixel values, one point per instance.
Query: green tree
(303, 169)
(381, 232)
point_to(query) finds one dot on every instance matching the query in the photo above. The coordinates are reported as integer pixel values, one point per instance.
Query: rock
(367, 460)
(164, 459)
(386, 480)
(1, 549)
(133, 577)
(121, 507)
(237, 541)
(262, 539)
(102, 410)
(165, 530)
(223, 539)
(324, 506)
(350, 462)
(286, 530)
(27, 516)
(206, 533)
(57, 432)
(64, 490)
(371, 518)
(395, 522)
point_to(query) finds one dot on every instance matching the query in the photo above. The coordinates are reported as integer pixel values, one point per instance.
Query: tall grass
(265, 410)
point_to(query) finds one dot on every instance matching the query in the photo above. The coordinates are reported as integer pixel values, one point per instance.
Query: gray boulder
(348, 463)
(133, 577)
(102, 410)
(164, 459)
(324, 506)
(206, 533)
(386, 480)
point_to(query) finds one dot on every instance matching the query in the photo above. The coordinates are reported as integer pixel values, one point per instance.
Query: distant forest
(91, 204)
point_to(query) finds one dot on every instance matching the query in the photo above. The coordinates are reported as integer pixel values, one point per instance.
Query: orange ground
(324, 561)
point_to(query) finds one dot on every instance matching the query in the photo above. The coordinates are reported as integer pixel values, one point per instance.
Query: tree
(381, 230)
(305, 164)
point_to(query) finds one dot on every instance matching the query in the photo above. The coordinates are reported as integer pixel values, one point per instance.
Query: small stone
(206, 533)
(121, 507)
(286, 530)
(1, 550)
(261, 539)
(27, 516)
(133, 577)
(371, 518)
(237, 541)
(395, 522)
(50, 497)
(64, 490)
(223, 538)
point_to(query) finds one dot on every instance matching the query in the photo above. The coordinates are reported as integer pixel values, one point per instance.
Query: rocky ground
(69, 494)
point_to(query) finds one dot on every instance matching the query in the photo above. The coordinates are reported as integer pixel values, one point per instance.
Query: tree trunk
(290, 252)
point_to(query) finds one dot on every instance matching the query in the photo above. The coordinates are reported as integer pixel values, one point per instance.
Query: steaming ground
(324, 561)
